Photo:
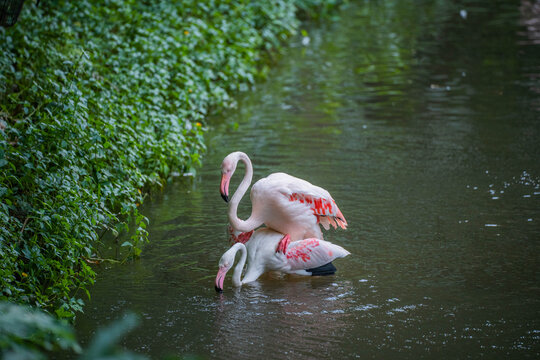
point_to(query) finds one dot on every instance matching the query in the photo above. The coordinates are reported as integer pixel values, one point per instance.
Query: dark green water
(424, 124)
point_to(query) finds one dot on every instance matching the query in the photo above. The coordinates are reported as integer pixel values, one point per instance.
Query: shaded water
(423, 123)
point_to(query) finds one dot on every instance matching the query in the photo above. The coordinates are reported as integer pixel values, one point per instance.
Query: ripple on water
(366, 307)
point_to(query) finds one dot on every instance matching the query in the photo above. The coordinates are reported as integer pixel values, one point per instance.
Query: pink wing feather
(324, 208)
(314, 200)
(312, 253)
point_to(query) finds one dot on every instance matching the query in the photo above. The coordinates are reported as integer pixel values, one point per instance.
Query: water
(422, 120)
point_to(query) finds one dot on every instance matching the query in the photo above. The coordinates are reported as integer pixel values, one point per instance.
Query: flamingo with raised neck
(287, 204)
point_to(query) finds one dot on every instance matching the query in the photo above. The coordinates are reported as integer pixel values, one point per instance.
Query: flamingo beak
(224, 187)
(220, 278)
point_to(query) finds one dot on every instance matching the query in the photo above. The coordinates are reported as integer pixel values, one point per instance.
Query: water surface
(422, 120)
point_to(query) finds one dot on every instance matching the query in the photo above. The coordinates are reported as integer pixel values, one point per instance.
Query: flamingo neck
(252, 222)
(240, 266)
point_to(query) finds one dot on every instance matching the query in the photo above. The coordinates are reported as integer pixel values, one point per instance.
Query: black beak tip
(225, 197)
(219, 290)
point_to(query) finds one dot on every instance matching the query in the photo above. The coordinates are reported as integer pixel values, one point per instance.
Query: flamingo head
(228, 166)
(225, 264)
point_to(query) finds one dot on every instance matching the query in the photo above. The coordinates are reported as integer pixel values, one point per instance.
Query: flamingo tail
(324, 270)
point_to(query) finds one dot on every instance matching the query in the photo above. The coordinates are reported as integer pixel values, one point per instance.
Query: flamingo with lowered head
(287, 204)
(302, 257)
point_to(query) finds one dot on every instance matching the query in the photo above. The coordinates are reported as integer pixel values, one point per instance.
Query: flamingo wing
(316, 200)
(312, 253)
(238, 236)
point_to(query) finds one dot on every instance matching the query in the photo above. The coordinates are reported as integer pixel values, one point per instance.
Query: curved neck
(237, 223)
(240, 266)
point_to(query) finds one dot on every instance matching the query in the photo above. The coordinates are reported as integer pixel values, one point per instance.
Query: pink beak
(220, 278)
(224, 187)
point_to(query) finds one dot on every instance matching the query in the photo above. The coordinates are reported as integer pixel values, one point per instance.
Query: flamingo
(302, 257)
(287, 204)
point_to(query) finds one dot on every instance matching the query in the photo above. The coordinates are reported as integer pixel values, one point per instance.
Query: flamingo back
(295, 206)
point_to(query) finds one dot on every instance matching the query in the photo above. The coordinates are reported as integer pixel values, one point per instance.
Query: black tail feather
(327, 269)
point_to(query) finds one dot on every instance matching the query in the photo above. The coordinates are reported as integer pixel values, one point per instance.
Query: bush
(102, 101)
(29, 333)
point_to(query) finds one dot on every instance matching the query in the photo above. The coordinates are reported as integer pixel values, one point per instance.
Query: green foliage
(27, 333)
(101, 101)
(104, 343)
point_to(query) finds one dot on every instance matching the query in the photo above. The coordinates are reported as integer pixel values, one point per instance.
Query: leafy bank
(101, 101)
